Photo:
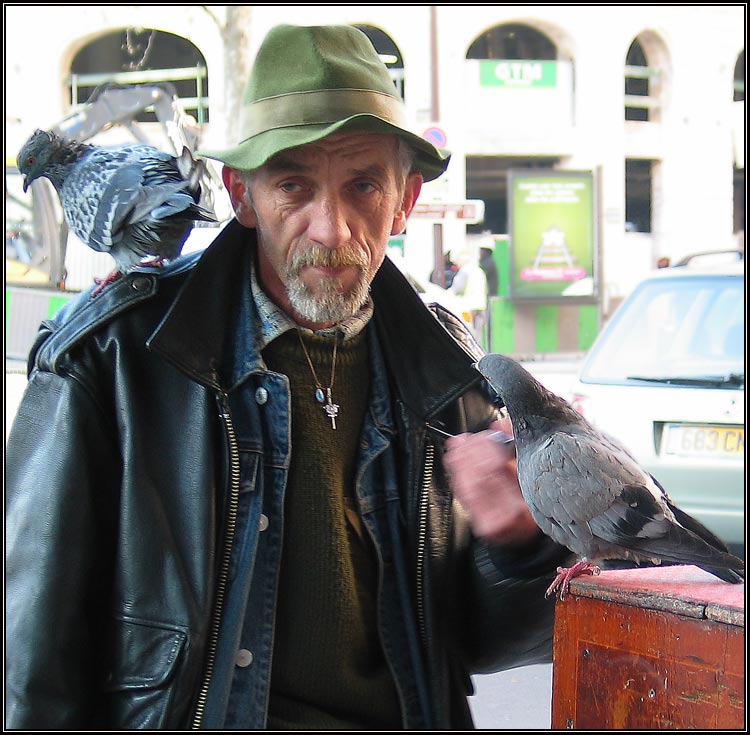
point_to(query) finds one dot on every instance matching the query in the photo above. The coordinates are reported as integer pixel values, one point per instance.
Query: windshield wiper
(699, 381)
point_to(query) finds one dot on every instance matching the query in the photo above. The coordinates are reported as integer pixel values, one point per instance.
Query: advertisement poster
(552, 235)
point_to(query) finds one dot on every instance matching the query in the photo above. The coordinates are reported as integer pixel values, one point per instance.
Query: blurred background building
(647, 98)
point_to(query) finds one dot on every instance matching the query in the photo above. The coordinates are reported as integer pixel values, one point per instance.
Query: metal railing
(199, 102)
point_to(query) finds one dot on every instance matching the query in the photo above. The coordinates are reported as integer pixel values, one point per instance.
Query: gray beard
(331, 305)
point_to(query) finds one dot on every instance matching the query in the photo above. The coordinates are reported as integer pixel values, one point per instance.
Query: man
(488, 265)
(227, 506)
(470, 284)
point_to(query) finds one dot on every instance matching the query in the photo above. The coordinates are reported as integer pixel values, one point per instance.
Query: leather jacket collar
(208, 331)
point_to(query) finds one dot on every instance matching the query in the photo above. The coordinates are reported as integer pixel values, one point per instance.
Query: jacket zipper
(221, 586)
(424, 506)
(422, 541)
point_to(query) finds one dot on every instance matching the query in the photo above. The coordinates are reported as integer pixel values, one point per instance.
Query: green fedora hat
(308, 82)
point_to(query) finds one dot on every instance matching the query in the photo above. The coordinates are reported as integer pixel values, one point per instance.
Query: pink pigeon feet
(155, 262)
(102, 283)
(561, 583)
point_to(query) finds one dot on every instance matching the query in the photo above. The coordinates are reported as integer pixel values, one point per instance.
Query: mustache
(323, 257)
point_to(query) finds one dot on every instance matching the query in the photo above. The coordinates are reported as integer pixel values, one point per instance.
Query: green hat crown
(304, 58)
(308, 82)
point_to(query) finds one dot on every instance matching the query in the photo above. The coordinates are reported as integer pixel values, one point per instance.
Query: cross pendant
(331, 408)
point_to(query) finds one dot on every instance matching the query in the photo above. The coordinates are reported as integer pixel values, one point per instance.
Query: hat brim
(253, 152)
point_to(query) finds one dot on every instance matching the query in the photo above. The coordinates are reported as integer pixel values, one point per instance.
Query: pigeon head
(529, 403)
(47, 154)
(34, 157)
(515, 386)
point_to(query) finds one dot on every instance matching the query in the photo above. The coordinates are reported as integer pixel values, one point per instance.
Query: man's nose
(328, 222)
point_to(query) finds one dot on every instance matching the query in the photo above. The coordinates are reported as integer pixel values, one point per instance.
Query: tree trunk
(235, 32)
(237, 63)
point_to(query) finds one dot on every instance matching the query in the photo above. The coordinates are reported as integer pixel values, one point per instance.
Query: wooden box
(652, 648)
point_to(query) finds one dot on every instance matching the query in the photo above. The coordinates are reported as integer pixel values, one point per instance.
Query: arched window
(644, 62)
(388, 52)
(539, 80)
(136, 56)
(513, 41)
(639, 77)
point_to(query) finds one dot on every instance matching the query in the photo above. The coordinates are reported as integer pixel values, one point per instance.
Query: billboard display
(552, 232)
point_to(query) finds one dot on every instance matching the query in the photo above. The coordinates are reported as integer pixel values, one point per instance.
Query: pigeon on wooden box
(134, 201)
(587, 492)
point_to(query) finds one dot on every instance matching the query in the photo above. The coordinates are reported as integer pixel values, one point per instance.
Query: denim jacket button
(263, 522)
(140, 283)
(261, 396)
(243, 658)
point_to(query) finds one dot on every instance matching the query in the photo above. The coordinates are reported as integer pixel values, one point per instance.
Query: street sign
(436, 135)
(471, 211)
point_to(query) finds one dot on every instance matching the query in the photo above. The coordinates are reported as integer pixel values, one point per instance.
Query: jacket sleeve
(61, 485)
(510, 621)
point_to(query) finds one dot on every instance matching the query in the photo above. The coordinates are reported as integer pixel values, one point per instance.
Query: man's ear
(411, 194)
(237, 188)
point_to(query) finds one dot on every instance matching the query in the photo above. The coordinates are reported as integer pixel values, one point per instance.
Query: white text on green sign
(519, 74)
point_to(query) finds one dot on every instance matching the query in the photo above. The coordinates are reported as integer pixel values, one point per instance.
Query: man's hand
(484, 480)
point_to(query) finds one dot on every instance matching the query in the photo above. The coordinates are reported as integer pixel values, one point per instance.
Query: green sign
(519, 74)
(552, 235)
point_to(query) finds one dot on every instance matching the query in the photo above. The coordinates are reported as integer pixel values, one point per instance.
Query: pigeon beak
(25, 184)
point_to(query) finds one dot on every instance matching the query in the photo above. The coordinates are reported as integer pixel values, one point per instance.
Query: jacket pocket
(141, 683)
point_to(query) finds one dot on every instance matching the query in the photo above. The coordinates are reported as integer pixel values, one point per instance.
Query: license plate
(703, 441)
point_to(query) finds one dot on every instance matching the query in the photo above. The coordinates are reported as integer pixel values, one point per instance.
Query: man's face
(323, 214)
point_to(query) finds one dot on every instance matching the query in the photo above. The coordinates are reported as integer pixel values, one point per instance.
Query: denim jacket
(145, 475)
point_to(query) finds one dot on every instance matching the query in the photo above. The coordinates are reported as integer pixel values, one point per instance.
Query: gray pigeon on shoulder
(587, 492)
(134, 201)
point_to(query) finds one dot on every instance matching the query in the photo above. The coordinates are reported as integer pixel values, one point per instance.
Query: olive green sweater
(328, 666)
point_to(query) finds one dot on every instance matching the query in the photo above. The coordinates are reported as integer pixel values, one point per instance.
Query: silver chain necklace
(323, 395)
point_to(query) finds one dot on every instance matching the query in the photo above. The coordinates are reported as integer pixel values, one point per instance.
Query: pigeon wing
(564, 488)
(97, 197)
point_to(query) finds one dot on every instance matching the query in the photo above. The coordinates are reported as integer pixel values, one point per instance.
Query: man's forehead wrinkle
(281, 162)
(374, 169)
(295, 164)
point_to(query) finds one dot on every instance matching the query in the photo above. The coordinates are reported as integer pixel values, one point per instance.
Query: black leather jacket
(118, 474)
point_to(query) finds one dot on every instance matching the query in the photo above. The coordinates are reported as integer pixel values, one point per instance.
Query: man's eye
(364, 187)
(290, 187)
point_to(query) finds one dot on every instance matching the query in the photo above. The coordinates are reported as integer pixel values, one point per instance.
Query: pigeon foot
(561, 583)
(102, 283)
(155, 262)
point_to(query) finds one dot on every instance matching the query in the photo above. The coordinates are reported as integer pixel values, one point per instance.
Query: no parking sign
(436, 135)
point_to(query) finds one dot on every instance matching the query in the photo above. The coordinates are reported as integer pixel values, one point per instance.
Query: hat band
(318, 107)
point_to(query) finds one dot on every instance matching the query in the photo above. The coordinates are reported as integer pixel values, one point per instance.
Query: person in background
(230, 502)
(488, 265)
(449, 272)
(470, 283)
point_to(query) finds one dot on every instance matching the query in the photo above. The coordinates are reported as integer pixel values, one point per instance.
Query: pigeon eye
(30, 160)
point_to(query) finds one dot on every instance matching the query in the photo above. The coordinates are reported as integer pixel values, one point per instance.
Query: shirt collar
(273, 322)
